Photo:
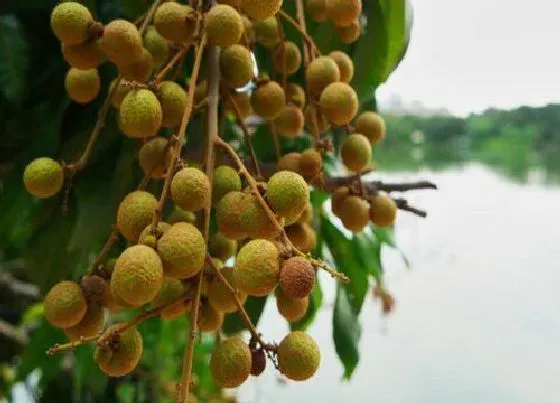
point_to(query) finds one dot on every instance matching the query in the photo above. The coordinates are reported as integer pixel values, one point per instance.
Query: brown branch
(373, 187)
(175, 60)
(111, 240)
(302, 32)
(402, 204)
(300, 13)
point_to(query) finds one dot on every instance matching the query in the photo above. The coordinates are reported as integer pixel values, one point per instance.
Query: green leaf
(346, 332)
(385, 235)
(315, 302)
(369, 251)
(14, 61)
(398, 14)
(254, 307)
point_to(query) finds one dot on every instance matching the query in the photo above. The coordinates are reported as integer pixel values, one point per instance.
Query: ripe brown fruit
(371, 125)
(90, 325)
(70, 22)
(289, 162)
(225, 180)
(65, 304)
(337, 198)
(258, 362)
(255, 221)
(82, 85)
(135, 213)
(219, 295)
(236, 66)
(286, 58)
(261, 9)
(171, 290)
(154, 157)
(302, 236)
(221, 247)
(157, 46)
(43, 177)
(140, 114)
(228, 215)
(266, 32)
(354, 213)
(382, 210)
(209, 319)
(182, 250)
(295, 94)
(257, 267)
(122, 354)
(355, 152)
(173, 99)
(190, 189)
(345, 65)
(223, 25)
(349, 34)
(121, 42)
(175, 22)
(344, 12)
(288, 194)
(299, 356)
(297, 277)
(311, 162)
(314, 118)
(339, 103)
(289, 123)
(268, 100)
(83, 56)
(230, 363)
(317, 10)
(291, 309)
(321, 72)
(242, 101)
(93, 288)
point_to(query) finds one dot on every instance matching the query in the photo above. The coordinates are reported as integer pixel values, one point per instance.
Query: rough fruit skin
(93, 288)
(83, 56)
(118, 95)
(337, 198)
(299, 356)
(339, 103)
(287, 194)
(139, 70)
(170, 291)
(302, 236)
(261, 9)
(65, 304)
(266, 32)
(371, 125)
(70, 22)
(190, 189)
(289, 162)
(219, 296)
(228, 215)
(307, 215)
(236, 66)
(295, 94)
(173, 99)
(314, 118)
(258, 362)
(140, 114)
(221, 247)
(354, 213)
(121, 42)
(90, 325)
(172, 22)
(135, 213)
(224, 25)
(180, 215)
(317, 10)
(248, 35)
(182, 250)
(242, 101)
(154, 157)
(286, 57)
(147, 232)
(345, 65)
(344, 12)
(268, 100)
(82, 85)
(226, 179)
(297, 277)
(255, 221)
(230, 363)
(209, 319)
(157, 46)
(355, 152)
(43, 177)
(291, 309)
(311, 162)
(138, 275)
(321, 72)
(349, 34)
(382, 210)
(122, 359)
(290, 122)
(257, 267)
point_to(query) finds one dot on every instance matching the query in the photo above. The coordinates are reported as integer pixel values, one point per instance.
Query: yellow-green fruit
(286, 57)
(295, 94)
(190, 189)
(138, 275)
(236, 66)
(355, 152)
(90, 325)
(317, 10)
(221, 247)
(110, 301)
(339, 103)
(337, 198)
(43, 177)
(297, 277)
(345, 65)
(302, 236)
(175, 22)
(266, 32)
(382, 210)
(291, 309)
(290, 122)
(173, 99)
(209, 319)
(307, 215)
(70, 22)
(180, 215)
(287, 194)
(226, 179)
(157, 46)
(321, 72)
(135, 213)
(354, 213)
(223, 25)
(170, 291)
(268, 100)
(255, 221)
(371, 125)
(83, 56)
(219, 295)
(299, 356)
(311, 162)
(257, 267)
(315, 120)
(248, 36)
(65, 304)
(230, 363)
(261, 9)
(182, 250)
(228, 215)
(349, 34)
(200, 91)
(139, 70)
(121, 42)
(118, 95)
(344, 12)
(123, 355)
(289, 162)
(140, 114)
(242, 102)
(149, 238)
(154, 157)
(82, 85)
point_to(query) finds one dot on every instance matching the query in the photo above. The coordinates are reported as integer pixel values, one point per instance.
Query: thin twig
(301, 21)
(373, 187)
(111, 240)
(402, 204)
(302, 32)
(175, 60)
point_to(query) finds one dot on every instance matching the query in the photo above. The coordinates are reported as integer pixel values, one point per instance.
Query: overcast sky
(471, 55)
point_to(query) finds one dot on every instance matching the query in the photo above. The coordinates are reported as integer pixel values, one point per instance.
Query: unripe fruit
(93, 288)
(291, 309)
(149, 238)
(122, 355)
(344, 12)
(180, 215)
(289, 162)
(221, 247)
(135, 213)
(118, 95)
(65, 305)
(257, 267)
(220, 297)
(302, 236)
(138, 275)
(286, 57)
(70, 22)
(371, 125)
(154, 157)
(345, 65)
(266, 32)
(297, 277)
(171, 290)
(139, 70)
(190, 189)
(223, 25)
(354, 213)
(307, 215)
(248, 36)
(290, 122)
(200, 91)
(287, 194)
(230, 363)
(268, 100)
(317, 10)
(173, 99)
(226, 179)
(349, 34)
(182, 250)
(382, 210)
(228, 215)
(157, 46)
(311, 162)
(140, 114)
(255, 221)
(82, 85)
(43, 177)
(261, 9)
(299, 356)
(258, 362)
(321, 72)
(83, 56)
(339, 103)
(355, 152)
(90, 325)
(121, 42)
(295, 94)
(236, 66)
(315, 120)
(242, 101)
(337, 198)
(209, 319)
(175, 22)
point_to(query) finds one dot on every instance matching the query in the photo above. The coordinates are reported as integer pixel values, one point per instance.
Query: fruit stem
(170, 65)
(301, 20)
(113, 237)
(301, 30)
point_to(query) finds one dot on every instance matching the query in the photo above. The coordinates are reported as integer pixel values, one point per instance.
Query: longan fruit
(344, 12)
(266, 32)
(230, 363)
(236, 65)
(337, 197)
(339, 103)
(90, 325)
(289, 162)
(209, 319)
(307, 216)
(121, 42)
(257, 267)
(315, 118)
(171, 290)
(82, 85)
(175, 22)
(349, 34)
(302, 236)
(180, 215)
(311, 162)
(292, 309)
(371, 125)
(248, 36)
(200, 91)
(182, 250)
(139, 70)
(83, 56)
(295, 94)
(156, 44)
(118, 95)
(317, 10)
(233, 3)
(242, 101)
(70, 22)
(268, 100)
(289, 123)
(135, 213)
(355, 152)
(225, 180)
(221, 247)
(154, 157)
(173, 99)
(321, 72)
(299, 356)
(43, 177)
(120, 357)
(287, 194)
(345, 65)
(258, 362)
(228, 215)
(190, 189)
(65, 304)
(382, 210)
(255, 221)
(149, 237)
(261, 9)
(354, 213)
(223, 25)
(219, 296)
(140, 114)
(297, 277)
(286, 57)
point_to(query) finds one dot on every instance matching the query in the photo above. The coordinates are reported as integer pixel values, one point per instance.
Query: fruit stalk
(314, 50)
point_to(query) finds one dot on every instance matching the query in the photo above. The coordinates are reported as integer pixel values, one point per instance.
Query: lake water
(477, 315)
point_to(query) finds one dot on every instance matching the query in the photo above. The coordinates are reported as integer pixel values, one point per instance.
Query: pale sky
(471, 55)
